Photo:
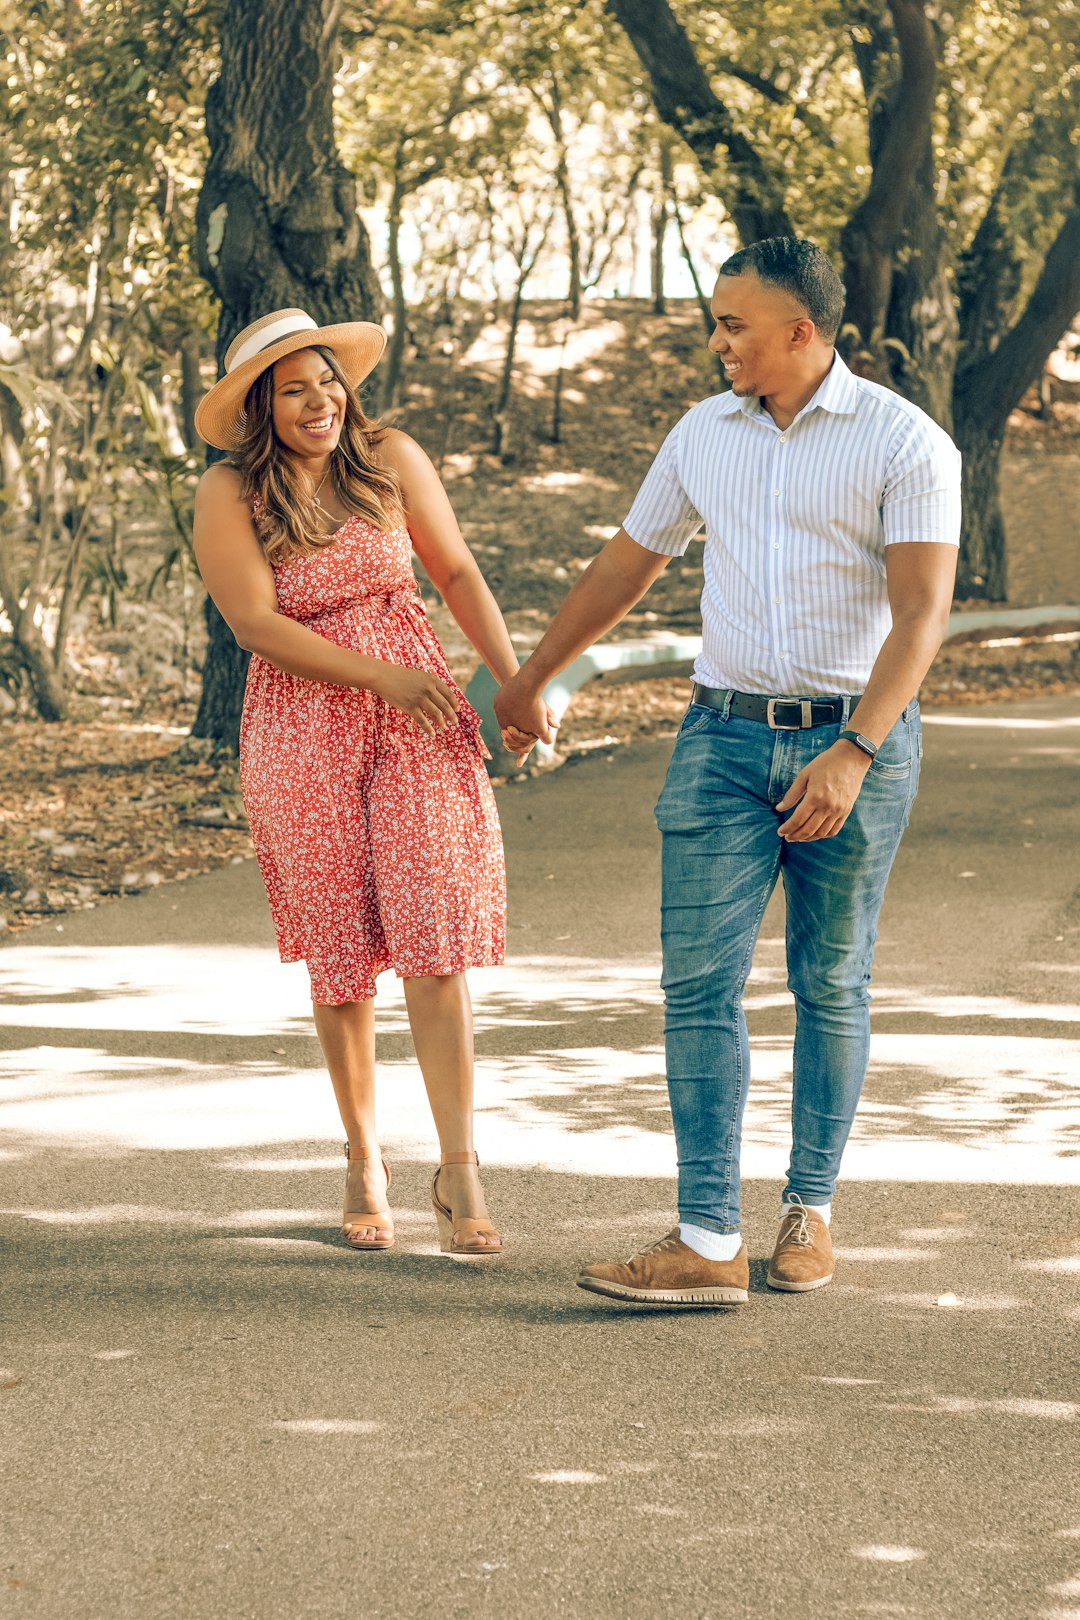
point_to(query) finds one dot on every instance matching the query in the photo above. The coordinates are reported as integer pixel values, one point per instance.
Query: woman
(361, 761)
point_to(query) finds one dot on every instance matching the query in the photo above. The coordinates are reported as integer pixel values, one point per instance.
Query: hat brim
(358, 347)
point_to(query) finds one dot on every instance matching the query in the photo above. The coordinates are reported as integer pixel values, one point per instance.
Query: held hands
(430, 702)
(822, 795)
(522, 743)
(520, 707)
(524, 718)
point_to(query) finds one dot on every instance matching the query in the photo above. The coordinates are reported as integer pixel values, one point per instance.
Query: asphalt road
(208, 1408)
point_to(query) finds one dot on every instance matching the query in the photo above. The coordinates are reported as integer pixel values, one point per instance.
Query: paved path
(209, 1409)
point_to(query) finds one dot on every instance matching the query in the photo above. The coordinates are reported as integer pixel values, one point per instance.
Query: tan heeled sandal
(459, 1236)
(366, 1217)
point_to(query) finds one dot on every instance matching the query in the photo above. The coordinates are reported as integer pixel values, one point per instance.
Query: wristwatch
(863, 743)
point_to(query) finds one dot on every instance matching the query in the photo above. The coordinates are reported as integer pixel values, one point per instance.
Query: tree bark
(277, 225)
(922, 327)
(390, 370)
(982, 569)
(190, 386)
(992, 381)
(901, 129)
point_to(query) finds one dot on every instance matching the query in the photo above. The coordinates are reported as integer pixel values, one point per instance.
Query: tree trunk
(34, 652)
(557, 390)
(922, 327)
(699, 291)
(981, 571)
(221, 701)
(526, 262)
(500, 437)
(901, 186)
(553, 113)
(993, 380)
(661, 216)
(659, 231)
(390, 370)
(277, 225)
(190, 385)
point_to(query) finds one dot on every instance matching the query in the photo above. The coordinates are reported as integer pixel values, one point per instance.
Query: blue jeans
(721, 861)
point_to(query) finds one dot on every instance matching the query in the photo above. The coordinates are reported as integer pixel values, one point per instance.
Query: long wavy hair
(286, 517)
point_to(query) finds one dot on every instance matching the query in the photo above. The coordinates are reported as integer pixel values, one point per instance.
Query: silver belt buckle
(805, 710)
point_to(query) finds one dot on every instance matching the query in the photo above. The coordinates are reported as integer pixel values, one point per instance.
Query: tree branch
(751, 192)
(993, 386)
(989, 272)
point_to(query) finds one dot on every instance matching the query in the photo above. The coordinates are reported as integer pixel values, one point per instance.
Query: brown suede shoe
(671, 1273)
(803, 1257)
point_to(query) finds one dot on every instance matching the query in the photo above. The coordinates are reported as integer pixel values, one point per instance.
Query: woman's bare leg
(440, 1017)
(347, 1037)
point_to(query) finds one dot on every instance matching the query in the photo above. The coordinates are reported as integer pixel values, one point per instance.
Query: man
(831, 508)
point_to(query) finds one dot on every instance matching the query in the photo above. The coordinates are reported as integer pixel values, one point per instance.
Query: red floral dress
(379, 846)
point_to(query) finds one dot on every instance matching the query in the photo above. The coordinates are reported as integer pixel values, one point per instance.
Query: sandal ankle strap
(460, 1158)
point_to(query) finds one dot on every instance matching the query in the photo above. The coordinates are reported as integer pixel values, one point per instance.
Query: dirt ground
(117, 798)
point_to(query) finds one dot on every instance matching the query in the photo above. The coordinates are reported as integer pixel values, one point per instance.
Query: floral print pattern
(379, 846)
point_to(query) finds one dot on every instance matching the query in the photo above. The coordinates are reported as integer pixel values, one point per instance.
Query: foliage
(100, 296)
(499, 146)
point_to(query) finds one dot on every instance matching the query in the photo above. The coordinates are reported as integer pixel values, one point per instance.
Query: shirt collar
(837, 392)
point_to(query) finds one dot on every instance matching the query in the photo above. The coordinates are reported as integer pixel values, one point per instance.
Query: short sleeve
(662, 517)
(922, 487)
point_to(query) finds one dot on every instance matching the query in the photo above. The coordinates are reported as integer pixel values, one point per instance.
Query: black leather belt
(781, 713)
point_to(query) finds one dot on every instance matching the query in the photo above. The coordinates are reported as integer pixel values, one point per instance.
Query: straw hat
(357, 345)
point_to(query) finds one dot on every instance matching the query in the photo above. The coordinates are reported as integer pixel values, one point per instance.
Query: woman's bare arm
(450, 564)
(240, 581)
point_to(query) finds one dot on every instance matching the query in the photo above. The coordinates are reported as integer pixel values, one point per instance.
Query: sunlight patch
(327, 1426)
(888, 1555)
(569, 1476)
(868, 1255)
(571, 1076)
(951, 1302)
(846, 1383)
(1008, 1405)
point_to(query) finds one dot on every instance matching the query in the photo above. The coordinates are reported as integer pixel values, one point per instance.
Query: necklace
(319, 505)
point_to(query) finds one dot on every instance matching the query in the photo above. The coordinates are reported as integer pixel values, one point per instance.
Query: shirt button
(776, 492)
(783, 655)
(776, 599)
(783, 438)
(776, 545)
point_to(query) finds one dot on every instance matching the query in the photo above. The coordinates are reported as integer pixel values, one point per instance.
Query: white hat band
(269, 335)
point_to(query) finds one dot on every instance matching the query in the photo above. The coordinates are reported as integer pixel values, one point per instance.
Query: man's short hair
(800, 268)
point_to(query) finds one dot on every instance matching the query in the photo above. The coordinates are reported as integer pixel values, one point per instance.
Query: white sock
(824, 1210)
(710, 1245)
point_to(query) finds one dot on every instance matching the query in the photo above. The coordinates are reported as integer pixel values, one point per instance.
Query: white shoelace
(803, 1229)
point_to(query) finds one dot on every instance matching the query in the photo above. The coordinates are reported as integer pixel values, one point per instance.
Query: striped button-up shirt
(796, 525)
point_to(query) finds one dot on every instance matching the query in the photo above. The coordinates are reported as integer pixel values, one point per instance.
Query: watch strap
(863, 744)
